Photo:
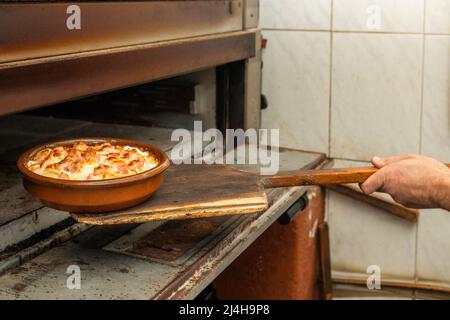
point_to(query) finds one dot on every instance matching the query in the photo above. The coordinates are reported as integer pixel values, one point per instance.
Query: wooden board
(193, 191)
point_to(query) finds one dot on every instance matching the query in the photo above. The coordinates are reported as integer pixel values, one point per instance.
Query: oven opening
(171, 103)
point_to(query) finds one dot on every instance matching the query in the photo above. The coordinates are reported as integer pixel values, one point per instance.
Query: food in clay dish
(99, 161)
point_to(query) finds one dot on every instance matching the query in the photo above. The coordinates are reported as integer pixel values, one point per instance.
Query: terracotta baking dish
(82, 196)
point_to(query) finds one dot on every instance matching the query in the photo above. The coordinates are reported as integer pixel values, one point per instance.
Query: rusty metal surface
(38, 82)
(158, 245)
(42, 31)
(197, 276)
(283, 263)
(173, 242)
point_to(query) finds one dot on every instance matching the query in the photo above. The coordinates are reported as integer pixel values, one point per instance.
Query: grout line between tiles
(330, 93)
(358, 32)
(422, 85)
(416, 247)
(379, 32)
(348, 159)
(296, 30)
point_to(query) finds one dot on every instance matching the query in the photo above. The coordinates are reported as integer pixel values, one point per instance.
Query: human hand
(412, 180)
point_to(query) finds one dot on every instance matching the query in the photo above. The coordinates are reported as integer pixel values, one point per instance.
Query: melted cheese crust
(91, 162)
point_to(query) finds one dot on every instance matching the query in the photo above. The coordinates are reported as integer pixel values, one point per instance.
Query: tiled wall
(340, 83)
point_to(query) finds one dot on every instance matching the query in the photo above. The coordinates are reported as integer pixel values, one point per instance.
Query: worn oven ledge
(106, 274)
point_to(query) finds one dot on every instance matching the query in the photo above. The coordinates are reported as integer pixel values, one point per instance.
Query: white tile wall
(436, 98)
(298, 92)
(361, 235)
(437, 16)
(295, 14)
(377, 108)
(433, 247)
(339, 163)
(376, 95)
(378, 15)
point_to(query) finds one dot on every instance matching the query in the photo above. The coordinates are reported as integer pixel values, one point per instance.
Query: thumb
(374, 182)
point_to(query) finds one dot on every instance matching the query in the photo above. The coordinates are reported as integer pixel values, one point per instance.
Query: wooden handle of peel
(320, 177)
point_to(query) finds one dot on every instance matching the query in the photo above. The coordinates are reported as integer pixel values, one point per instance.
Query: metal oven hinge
(297, 207)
